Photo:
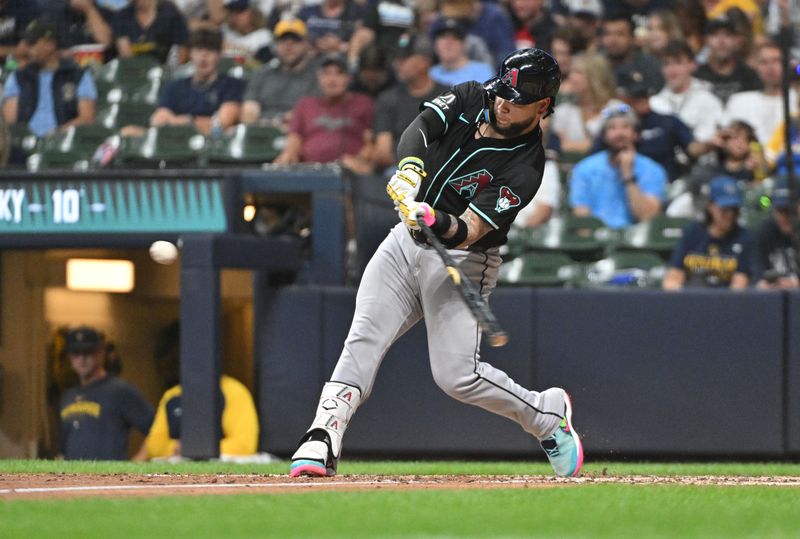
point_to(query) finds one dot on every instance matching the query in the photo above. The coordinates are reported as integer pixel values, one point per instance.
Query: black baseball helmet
(526, 76)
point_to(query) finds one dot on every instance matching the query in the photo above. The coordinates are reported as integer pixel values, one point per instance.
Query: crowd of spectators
(659, 97)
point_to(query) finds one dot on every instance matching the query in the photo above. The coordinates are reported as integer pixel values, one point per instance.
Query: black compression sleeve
(425, 128)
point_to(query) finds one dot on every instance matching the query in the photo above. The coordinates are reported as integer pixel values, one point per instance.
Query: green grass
(599, 510)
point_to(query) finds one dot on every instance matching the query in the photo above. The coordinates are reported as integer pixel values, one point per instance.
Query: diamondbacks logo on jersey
(510, 77)
(506, 200)
(471, 184)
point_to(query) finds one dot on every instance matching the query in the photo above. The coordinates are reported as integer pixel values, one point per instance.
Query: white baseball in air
(163, 252)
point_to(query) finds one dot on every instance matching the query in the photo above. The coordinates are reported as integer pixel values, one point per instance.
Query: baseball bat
(469, 292)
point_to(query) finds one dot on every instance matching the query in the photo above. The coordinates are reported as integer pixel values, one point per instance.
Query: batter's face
(87, 365)
(512, 120)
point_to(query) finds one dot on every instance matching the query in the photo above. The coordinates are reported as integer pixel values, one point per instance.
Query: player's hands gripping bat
(410, 212)
(406, 181)
(469, 292)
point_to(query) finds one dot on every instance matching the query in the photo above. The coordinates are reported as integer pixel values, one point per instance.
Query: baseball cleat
(563, 447)
(314, 457)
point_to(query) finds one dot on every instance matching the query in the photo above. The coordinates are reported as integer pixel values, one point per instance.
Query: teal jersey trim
(433, 181)
(483, 215)
(461, 117)
(439, 112)
(518, 146)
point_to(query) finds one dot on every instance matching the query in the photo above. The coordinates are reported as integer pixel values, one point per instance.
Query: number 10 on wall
(66, 206)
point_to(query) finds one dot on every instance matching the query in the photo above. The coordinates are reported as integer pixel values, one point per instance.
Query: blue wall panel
(651, 373)
(793, 372)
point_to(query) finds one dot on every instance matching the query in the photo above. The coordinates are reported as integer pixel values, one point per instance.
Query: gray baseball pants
(404, 282)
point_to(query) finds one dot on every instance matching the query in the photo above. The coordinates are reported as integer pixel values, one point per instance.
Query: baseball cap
(293, 27)
(631, 83)
(720, 23)
(725, 192)
(40, 29)
(590, 8)
(237, 5)
(334, 59)
(621, 110)
(84, 339)
(452, 26)
(411, 44)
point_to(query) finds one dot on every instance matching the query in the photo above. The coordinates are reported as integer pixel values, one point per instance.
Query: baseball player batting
(470, 161)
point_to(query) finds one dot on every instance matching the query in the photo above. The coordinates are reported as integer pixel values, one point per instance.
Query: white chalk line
(549, 481)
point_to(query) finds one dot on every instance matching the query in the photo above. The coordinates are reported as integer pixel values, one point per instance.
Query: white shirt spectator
(549, 194)
(763, 112)
(245, 45)
(570, 126)
(697, 107)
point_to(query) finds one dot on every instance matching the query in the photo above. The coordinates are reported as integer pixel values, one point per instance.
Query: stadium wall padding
(696, 373)
(793, 372)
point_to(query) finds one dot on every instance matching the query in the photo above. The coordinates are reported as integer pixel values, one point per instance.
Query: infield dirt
(56, 485)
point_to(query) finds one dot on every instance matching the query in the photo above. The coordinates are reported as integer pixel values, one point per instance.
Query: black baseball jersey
(495, 178)
(96, 419)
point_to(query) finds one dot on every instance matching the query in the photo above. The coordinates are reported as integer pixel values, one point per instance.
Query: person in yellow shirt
(718, 8)
(239, 423)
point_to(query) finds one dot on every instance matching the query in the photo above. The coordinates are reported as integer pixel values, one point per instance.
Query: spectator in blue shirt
(718, 252)
(209, 100)
(454, 65)
(488, 21)
(618, 185)
(50, 91)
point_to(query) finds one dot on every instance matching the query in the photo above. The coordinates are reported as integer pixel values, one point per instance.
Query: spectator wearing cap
(399, 105)
(15, 16)
(207, 99)
(487, 21)
(331, 23)
(273, 91)
(97, 415)
(579, 122)
(80, 22)
(151, 27)
(533, 24)
(372, 76)
(618, 185)
(454, 65)
(662, 137)
(585, 16)
(724, 69)
(763, 109)
(335, 126)
(684, 96)
(385, 21)
(717, 252)
(245, 37)
(619, 45)
(777, 255)
(50, 92)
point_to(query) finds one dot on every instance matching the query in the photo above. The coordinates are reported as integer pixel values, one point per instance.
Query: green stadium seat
(246, 145)
(119, 115)
(22, 139)
(659, 234)
(135, 91)
(583, 238)
(71, 148)
(624, 269)
(162, 147)
(542, 268)
(137, 69)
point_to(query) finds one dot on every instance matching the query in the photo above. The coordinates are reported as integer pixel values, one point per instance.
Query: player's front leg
(318, 452)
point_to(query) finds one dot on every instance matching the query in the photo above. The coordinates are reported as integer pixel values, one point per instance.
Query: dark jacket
(65, 91)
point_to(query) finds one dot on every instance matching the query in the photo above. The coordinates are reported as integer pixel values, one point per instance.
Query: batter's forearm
(414, 141)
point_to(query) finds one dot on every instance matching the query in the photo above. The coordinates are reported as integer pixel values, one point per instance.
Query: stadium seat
(626, 269)
(583, 238)
(134, 91)
(162, 147)
(23, 143)
(69, 149)
(137, 69)
(246, 145)
(119, 115)
(659, 234)
(542, 268)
